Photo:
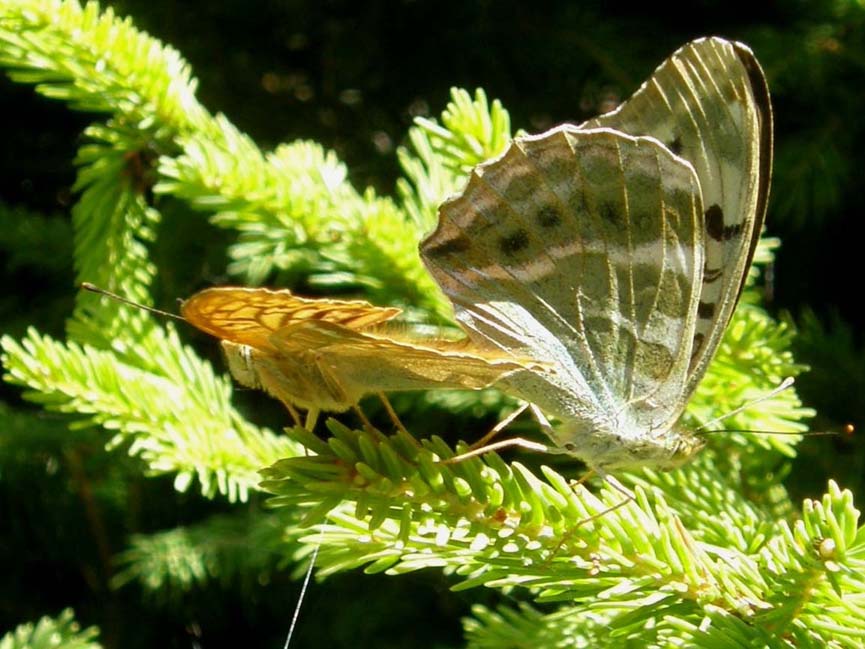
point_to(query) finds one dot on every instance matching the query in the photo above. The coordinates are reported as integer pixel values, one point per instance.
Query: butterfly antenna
(87, 286)
(847, 430)
(300, 597)
(786, 383)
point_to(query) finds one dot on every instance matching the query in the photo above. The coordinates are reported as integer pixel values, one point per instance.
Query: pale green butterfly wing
(582, 249)
(709, 103)
(617, 259)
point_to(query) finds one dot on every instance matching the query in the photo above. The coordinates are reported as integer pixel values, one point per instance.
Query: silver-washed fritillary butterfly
(593, 267)
(615, 252)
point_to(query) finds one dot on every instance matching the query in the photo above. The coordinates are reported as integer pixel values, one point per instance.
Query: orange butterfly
(323, 354)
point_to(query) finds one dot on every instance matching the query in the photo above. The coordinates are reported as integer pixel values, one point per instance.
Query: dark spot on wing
(698, 344)
(711, 274)
(455, 245)
(732, 230)
(715, 222)
(548, 217)
(514, 242)
(675, 145)
(706, 309)
(715, 227)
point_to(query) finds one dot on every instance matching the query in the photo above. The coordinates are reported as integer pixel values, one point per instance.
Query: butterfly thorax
(607, 432)
(626, 445)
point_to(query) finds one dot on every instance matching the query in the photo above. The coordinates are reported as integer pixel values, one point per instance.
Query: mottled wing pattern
(709, 103)
(582, 248)
(249, 316)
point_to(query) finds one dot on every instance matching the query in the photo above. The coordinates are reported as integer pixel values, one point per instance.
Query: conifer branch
(472, 131)
(173, 562)
(97, 62)
(502, 526)
(441, 155)
(49, 633)
(178, 419)
(112, 220)
(295, 210)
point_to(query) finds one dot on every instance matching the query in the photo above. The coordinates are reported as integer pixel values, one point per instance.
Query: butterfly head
(683, 449)
(622, 448)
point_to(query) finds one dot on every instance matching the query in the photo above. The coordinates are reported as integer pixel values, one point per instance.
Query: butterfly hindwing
(616, 251)
(582, 248)
(709, 104)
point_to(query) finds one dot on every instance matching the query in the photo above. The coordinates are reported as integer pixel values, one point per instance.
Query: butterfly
(615, 253)
(324, 354)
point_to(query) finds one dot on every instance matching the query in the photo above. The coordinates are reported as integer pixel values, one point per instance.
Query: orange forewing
(323, 354)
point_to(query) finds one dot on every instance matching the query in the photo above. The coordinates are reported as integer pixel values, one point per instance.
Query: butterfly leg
(481, 446)
(618, 486)
(499, 427)
(392, 413)
(367, 424)
(505, 443)
(615, 484)
(295, 415)
(588, 474)
(311, 419)
(543, 422)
